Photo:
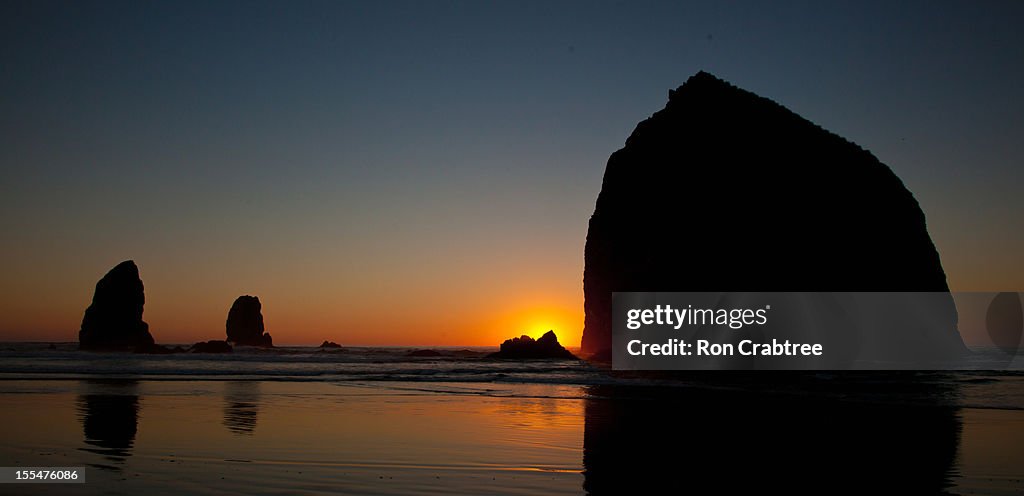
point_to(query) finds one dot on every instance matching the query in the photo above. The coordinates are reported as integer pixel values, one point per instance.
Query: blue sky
(336, 156)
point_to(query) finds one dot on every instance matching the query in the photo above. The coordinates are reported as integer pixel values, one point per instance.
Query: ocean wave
(968, 389)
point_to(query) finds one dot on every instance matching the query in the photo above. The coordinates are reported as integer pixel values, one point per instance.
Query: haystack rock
(245, 323)
(114, 319)
(724, 190)
(525, 347)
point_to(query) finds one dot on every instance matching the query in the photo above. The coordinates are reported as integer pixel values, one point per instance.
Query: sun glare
(565, 329)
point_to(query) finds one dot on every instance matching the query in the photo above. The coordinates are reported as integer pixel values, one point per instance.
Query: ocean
(301, 420)
(999, 383)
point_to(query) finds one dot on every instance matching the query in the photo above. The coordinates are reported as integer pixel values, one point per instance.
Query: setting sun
(567, 327)
(534, 321)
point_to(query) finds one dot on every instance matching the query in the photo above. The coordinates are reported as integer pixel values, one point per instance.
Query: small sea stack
(330, 345)
(1004, 321)
(525, 347)
(245, 323)
(211, 346)
(113, 321)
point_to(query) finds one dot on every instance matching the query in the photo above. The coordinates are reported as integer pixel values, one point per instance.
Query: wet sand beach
(272, 437)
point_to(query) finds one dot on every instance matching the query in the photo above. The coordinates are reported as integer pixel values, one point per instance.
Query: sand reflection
(740, 442)
(241, 406)
(109, 412)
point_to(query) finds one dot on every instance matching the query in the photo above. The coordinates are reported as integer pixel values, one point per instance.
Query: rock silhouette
(1004, 321)
(211, 346)
(245, 323)
(114, 319)
(330, 344)
(525, 347)
(724, 190)
(156, 349)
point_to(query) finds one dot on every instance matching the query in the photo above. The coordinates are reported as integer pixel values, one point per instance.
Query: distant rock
(156, 349)
(525, 347)
(424, 353)
(114, 319)
(330, 344)
(245, 323)
(724, 190)
(211, 346)
(1004, 321)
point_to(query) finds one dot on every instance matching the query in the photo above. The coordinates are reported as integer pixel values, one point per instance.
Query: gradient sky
(423, 172)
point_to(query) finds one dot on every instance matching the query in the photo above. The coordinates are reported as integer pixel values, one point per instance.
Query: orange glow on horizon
(535, 319)
(477, 288)
(426, 315)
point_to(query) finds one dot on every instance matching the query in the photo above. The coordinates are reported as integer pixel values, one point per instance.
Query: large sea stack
(245, 323)
(724, 190)
(114, 319)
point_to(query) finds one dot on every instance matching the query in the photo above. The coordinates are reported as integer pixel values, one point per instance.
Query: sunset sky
(422, 173)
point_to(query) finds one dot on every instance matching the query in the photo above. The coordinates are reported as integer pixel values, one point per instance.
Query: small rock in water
(525, 347)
